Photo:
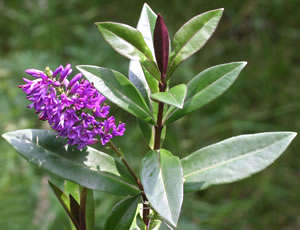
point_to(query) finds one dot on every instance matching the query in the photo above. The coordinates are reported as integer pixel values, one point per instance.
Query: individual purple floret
(74, 108)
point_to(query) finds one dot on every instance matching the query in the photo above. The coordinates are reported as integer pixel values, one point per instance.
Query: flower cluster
(74, 108)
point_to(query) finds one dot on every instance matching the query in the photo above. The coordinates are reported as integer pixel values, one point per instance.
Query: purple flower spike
(34, 72)
(75, 79)
(57, 71)
(62, 103)
(65, 73)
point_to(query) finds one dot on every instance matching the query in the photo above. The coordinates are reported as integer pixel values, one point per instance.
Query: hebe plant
(75, 109)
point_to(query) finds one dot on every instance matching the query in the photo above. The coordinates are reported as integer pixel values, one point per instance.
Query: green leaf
(192, 36)
(88, 167)
(118, 89)
(75, 207)
(90, 210)
(146, 26)
(73, 189)
(148, 132)
(205, 87)
(65, 202)
(123, 214)
(126, 40)
(162, 179)
(175, 96)
(233, 159)
(129, 42)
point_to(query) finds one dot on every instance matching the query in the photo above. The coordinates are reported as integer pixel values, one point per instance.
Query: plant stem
(123, 159)
(82, 214)
(146, 208)
(157, 137)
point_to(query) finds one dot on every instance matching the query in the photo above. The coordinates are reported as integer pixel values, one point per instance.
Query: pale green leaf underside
(205, 87)
(175, 96)
(162, 179)
(88, 167)
(145, 26)
(118, 89)
(233, 159)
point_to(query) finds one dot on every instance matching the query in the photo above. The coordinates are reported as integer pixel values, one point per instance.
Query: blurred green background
(266, 97)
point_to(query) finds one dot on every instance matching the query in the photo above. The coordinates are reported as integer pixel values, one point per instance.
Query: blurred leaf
(66, 203)
(129, 42)
(123, 214)
(233, 159)
(162, 179)
(205, 87)
(90, 210)
(88, 167)
(73, 189)
(118, 89)
(74, 207)
(175, 96)
(192, 36)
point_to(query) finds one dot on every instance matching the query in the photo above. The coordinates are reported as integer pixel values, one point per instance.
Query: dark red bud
(161, 45)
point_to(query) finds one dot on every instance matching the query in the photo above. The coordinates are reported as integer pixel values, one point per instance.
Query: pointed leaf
(205, 87)
(123, 214)
(65, 202)
(73, 189)
(146, 26)
(233, 159)
(126, 40)
(118, 89)
(192, 36)
(175, 96)
(74, 207)
(129, 42)
(88, 167)
(162, 179)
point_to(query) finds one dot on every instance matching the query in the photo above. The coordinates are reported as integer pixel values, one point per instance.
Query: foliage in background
(40, 33)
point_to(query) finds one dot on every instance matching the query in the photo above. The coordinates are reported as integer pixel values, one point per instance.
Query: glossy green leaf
(205, 87)
(192, 36)
(88, 167)
(123, 214)
(126, 40)
(129, 42)
(118, 89)
(162, 179)
(146, 26)
(175, 96)
(65, 202)
(233, 159)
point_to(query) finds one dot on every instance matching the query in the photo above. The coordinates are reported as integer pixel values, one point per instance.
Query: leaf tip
(292, 135)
